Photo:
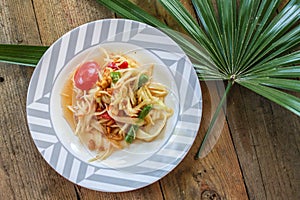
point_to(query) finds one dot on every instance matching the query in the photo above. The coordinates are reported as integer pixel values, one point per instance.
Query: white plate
(143, 163)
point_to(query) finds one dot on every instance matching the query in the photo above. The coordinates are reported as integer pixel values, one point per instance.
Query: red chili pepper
(112, 65)
(106, 116)
(123, 65)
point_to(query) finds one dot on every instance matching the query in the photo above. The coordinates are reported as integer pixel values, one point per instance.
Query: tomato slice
(86, 75)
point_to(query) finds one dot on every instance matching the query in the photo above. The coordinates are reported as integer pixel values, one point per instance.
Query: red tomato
(86, 75)
(123, 65)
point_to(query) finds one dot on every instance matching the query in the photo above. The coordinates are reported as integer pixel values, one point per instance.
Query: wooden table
(256, 157)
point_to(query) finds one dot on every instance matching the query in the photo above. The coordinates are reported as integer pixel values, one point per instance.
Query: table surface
(256, 157)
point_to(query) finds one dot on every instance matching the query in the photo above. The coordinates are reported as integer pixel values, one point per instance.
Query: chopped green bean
(145, 111)
(115, 76)
(142, 80)
(133, 128)
(131, 133)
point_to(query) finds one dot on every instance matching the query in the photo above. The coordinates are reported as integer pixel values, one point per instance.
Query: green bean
(142, 80)
(115, 76)
(133, 128)
(145, 111)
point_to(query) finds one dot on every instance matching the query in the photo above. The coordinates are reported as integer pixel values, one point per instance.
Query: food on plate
(112, 102)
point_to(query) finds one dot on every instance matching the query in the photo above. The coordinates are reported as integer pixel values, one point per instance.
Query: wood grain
(18, 23)
(56, 17)
(256, 157)
(267, 144)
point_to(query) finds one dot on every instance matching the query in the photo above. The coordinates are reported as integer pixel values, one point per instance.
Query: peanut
(92, 145)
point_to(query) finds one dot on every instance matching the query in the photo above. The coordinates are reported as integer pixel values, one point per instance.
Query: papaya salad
(111, 105)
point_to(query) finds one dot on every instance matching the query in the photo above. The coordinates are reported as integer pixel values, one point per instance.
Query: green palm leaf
(276, 63)
(280, 83)
(288, 101)
(19, 54)
(263, 44)
(190, 25)
(286, 72)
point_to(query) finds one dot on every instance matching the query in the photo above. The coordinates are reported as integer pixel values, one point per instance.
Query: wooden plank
(266, 138)
(148, 193)
(57, 17)
(23, 172)
(17, 22)
(242, 138)
(154, 8)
